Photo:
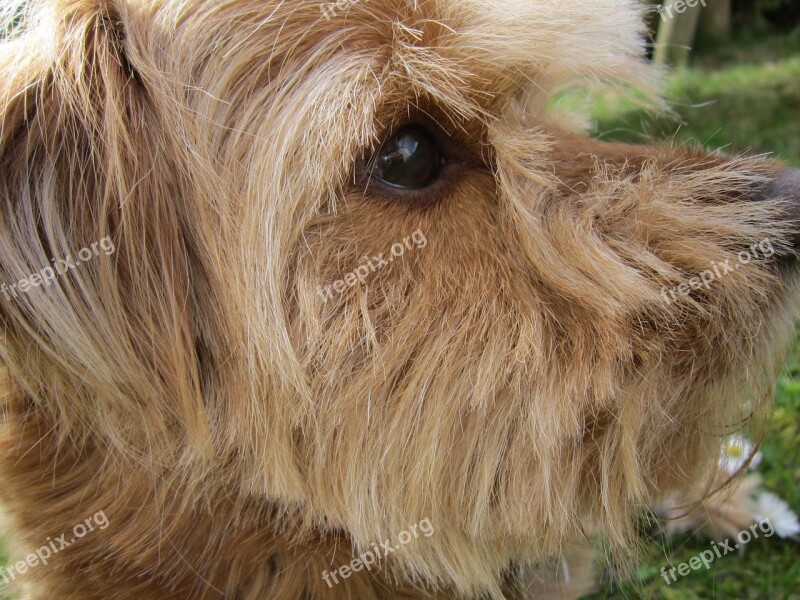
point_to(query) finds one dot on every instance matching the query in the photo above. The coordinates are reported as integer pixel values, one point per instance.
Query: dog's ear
(95, 261)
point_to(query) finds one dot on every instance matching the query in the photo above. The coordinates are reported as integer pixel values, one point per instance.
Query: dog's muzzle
(786, 186)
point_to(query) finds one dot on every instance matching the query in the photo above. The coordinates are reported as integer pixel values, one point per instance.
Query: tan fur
(519, 381)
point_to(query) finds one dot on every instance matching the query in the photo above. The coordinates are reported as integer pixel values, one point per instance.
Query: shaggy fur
(520, 381)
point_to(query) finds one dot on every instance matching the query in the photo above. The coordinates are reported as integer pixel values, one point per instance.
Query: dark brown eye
(409, 160)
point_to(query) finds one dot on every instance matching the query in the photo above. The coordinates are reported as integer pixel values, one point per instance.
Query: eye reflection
(408, 160)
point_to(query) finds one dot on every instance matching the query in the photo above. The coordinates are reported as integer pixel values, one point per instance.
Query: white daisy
(735, 452)
(778, 513)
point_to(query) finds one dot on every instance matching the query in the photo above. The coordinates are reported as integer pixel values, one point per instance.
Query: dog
(341, 307)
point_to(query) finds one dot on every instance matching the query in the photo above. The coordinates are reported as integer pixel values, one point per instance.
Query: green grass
(743, 108)
(3, 560)
(752, 107)
(755, 46)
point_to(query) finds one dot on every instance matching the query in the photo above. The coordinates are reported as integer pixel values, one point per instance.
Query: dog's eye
(409, 160)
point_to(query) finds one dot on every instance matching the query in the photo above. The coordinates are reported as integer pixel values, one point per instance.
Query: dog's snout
(786, 187)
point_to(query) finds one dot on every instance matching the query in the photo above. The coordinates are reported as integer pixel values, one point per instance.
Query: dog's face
(361, 268)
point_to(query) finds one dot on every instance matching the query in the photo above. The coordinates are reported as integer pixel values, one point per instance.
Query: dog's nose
(786, 186)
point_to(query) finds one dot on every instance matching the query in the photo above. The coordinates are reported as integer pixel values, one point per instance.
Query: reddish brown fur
(519, 381)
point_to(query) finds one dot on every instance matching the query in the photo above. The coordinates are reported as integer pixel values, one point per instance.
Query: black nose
(786, 186)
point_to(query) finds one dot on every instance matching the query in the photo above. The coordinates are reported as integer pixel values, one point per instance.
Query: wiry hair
(520, 381)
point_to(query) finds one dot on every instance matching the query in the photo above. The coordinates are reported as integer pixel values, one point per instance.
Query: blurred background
(734, 85)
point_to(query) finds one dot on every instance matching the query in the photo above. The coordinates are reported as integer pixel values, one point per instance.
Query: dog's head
(360, 267)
